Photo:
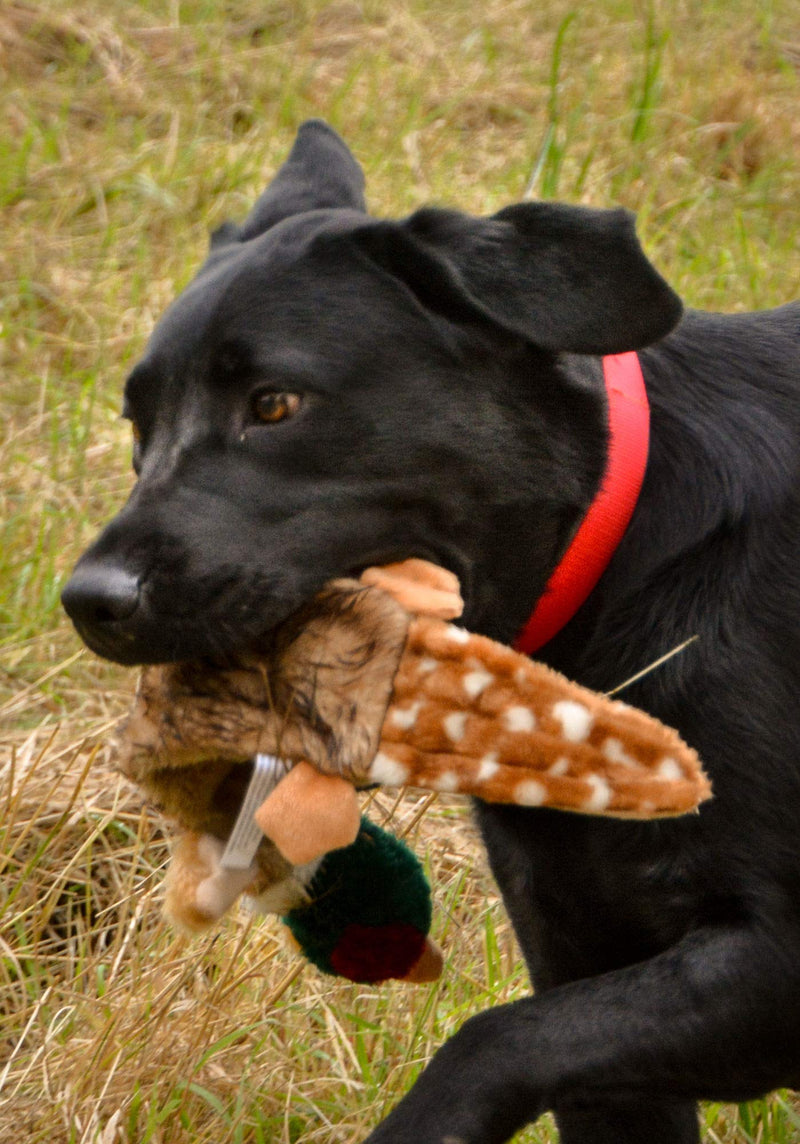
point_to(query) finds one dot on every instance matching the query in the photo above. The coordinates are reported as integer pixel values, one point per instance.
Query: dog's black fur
(453, 408)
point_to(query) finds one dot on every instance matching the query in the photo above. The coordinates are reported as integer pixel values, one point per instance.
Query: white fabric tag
(246, 835)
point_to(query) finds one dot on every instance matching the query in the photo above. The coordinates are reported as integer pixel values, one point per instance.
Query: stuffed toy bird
(372, 682)
(368, 913)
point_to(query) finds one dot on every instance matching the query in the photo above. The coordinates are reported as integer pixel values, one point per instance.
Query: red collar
(603, 527)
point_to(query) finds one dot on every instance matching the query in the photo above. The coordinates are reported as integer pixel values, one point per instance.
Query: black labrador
(333, 391)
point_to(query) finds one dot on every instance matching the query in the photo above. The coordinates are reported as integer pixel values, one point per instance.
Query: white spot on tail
(519, 719)
(616, 753)
(458, 635)
(406, 717)
(446, 781)
(669, 770)
(575, 719)
(386, 770)
(559, 767)
(488, 768)
(601, 793)
(530, 793)
(476, 681)
(455, 725)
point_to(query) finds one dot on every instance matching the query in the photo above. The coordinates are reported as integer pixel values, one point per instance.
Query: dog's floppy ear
(565, 278)
(319, 172)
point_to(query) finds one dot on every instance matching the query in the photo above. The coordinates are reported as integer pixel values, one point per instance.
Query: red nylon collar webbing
(610, 512)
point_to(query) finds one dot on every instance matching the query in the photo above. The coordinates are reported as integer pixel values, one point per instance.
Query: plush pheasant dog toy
(372, 683)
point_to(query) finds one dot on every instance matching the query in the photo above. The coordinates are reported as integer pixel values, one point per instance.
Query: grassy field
(130, 130)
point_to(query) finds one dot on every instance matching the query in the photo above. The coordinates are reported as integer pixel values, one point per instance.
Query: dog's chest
(610, 892)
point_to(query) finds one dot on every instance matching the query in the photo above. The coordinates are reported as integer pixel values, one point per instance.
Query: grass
(130, 130)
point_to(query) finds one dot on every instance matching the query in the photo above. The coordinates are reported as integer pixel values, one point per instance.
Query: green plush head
(370, 910)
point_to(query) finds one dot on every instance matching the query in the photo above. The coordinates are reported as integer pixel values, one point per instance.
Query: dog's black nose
(99, 594)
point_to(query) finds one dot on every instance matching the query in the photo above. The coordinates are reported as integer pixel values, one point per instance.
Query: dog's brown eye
(271, 407)
(136, 432)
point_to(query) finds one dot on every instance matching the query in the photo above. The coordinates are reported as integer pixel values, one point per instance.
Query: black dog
(333, 391)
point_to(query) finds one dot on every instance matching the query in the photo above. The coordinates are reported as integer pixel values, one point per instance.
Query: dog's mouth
(121, 618)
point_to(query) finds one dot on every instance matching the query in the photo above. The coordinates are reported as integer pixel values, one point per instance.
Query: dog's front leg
(717, 1016)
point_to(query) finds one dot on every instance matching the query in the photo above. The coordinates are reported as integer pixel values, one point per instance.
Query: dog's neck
(720, 486)
(609, 514)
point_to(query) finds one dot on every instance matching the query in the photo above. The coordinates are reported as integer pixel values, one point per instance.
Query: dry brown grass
(115, 1029)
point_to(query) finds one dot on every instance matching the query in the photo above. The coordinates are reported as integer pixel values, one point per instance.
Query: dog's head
(333, 391)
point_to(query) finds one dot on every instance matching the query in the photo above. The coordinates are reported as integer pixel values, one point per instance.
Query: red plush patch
(368, 954)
